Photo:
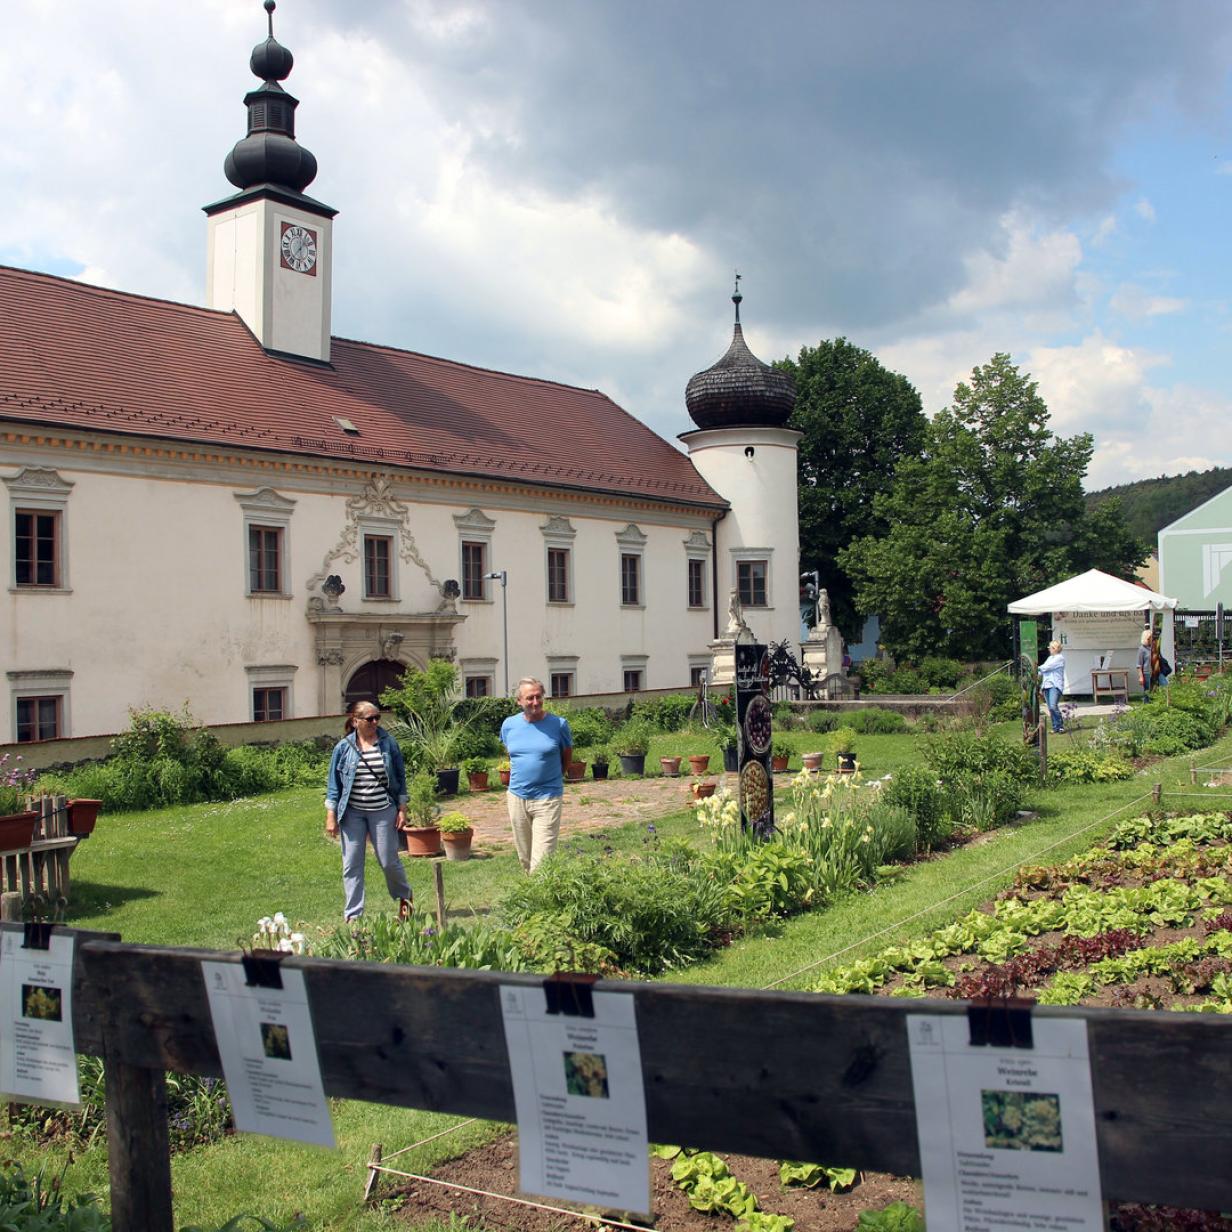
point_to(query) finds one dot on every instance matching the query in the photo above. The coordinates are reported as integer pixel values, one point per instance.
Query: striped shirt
(370, 791)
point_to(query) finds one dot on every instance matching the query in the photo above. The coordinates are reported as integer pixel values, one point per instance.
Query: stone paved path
(588, 805)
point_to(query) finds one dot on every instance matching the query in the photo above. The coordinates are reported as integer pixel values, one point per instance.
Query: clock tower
(270, 247)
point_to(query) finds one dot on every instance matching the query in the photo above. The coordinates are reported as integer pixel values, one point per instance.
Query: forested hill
(1150, 504)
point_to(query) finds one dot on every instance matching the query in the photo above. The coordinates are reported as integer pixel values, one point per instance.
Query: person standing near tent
(1146, 669)
(1052, 682)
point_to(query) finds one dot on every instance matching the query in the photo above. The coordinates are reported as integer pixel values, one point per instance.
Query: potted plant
(438, 749)
(576, 771)
(599, 759)
(423, 835)
(82, 814)
(504, 769)
(670, 767)
(729, 746)
(17, 823)
(843, 744)
(812, 761)
(476, 773)
(427, 707)
(456, 833)
(632, 742)
(701, 789)
(780, 755)
(699, 763)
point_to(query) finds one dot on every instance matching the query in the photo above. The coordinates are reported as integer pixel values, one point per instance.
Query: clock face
(299, 249)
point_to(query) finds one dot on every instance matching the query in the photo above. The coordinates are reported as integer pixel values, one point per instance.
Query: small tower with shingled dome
(270, 246)
(743, 448)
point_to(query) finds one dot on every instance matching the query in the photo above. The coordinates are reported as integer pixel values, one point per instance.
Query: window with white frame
(632, 546)
(267, 538)
(697, 570)
(478, 676)
(562, 675)
(379, 545)
(751, 567)
(558, 537)
(39, 705)
(633, 672)
(38, 503)
(270, 692)
(699, 669)
(475, 530)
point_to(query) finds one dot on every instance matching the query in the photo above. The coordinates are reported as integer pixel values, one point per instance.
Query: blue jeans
(356, 827)
(1053, 697)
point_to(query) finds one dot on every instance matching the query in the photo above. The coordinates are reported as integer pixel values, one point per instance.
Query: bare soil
(495, 1168)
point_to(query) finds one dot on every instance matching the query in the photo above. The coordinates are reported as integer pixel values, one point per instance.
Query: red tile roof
(78, 356)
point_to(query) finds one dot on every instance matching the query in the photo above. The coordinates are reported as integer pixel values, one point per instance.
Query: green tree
(992, 510)
(858, 420)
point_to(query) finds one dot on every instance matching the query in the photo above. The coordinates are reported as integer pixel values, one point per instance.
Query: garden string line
(889, 928)
(766, 988)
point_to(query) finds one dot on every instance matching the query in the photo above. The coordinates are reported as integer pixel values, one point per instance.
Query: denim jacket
(342, 770)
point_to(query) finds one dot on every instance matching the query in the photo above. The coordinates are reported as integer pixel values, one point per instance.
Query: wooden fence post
(438, 881)
(1043, 748)
(139, 1148)
(1157, 793)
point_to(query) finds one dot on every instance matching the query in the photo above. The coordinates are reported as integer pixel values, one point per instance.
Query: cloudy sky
(563, 188)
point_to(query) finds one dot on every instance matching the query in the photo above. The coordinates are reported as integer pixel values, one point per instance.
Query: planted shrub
(478, 946)
(590, 725)
(916, 789)
(959, 754)
(941, 673)
(823, 720)
(1169, 732)
(40, 1206)
(1087, 765)
(667, 714)
(876, 720)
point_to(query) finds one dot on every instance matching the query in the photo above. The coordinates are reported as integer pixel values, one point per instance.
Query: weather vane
(737, 297)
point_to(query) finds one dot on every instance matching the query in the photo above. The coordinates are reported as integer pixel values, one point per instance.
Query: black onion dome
(740, 391)
(270, 154)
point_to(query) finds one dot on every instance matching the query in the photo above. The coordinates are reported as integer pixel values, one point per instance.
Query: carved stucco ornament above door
(375, 501)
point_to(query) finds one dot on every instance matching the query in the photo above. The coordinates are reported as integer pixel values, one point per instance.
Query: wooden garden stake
(374, 1176)
(438, 880)
(1157, 792)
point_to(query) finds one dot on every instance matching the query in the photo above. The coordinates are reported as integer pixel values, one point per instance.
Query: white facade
(755, 469)
(156, 606)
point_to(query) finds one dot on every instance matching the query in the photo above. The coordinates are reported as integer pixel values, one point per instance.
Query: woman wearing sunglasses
(365, 797)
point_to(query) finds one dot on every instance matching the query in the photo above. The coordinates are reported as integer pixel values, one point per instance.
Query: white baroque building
(229, 507)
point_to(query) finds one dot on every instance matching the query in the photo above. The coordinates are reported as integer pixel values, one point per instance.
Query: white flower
(280, 919)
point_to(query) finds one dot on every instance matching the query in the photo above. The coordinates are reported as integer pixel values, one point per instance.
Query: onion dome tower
(740, 391)
(743, 448)
(270, 246)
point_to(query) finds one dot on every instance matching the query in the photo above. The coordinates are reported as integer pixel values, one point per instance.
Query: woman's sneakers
(405, 907)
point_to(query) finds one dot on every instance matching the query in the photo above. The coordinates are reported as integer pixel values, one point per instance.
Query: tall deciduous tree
(858, 420)
(993, 510)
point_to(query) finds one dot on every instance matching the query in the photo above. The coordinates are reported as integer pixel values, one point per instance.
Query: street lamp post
(502, 576)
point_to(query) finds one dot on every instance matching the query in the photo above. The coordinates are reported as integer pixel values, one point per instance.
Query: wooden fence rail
(784, 1075)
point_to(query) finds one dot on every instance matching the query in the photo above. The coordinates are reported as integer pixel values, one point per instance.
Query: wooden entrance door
(372, 679)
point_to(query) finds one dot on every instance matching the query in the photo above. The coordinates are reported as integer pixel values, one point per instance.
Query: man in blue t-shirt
(540, 746)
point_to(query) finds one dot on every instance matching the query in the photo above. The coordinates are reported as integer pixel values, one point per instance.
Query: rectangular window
(38, 718)
(479, 686)
(265, 560)
(633, 680)
(696, 676)
(269, 705)
(630, 580)
(697, 583)
(751, 581)
(36, 551)
(558, 575)
(378, 553)
(474, 566)
(562, 684)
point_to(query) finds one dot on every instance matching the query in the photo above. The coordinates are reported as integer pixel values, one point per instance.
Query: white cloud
(1144, 209)
(1136, 303)
(1105, 231)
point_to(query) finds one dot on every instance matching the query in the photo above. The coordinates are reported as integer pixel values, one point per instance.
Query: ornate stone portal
(346, 640)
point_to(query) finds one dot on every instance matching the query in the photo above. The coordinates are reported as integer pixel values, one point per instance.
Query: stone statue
(823, 610)
(735, 616)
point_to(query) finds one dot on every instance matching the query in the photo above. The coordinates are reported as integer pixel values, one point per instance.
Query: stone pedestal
(723, 648)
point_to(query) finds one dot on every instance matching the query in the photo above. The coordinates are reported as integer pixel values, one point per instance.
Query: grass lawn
(203, 875)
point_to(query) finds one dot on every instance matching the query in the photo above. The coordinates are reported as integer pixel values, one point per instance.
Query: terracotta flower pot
(504, 777)
(577, 771)
(671, 766)
(478, 781)
(779, 764)
(17, 830)
(699, 763)
(458, 843)
(812, 761)
(702, 790)
(82, 814)
(422, 841)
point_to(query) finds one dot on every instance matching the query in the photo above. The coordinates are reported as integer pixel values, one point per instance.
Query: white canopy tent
(1099, 620)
